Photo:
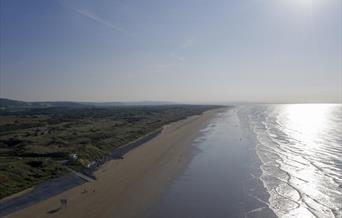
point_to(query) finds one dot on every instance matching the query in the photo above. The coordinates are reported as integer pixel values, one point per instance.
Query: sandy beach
(222, 178)
(128, 187)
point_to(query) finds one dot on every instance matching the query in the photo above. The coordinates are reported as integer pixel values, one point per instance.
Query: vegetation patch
(38, 144)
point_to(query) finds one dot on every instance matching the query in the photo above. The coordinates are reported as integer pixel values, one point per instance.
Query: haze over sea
(300, 151)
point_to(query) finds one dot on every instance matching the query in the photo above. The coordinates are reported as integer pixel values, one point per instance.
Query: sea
(300, 147)
(278, 160)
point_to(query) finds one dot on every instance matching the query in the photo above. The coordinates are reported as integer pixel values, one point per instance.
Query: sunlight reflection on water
(300, 147)
(305, 122)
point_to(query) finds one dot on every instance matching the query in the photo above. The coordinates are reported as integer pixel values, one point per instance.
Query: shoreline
(255, 184)
(223, 169)
(121, 180)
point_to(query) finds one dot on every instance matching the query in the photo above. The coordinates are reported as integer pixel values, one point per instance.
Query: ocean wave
(301, 153)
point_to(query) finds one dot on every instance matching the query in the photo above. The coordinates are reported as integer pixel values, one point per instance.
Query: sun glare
(307, 120)
(302, 3)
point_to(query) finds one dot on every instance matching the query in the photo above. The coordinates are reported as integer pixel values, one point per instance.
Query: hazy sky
(186, 50)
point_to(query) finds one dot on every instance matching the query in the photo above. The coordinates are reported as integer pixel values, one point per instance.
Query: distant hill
(127, 103)
(14, 104)
(8, 103)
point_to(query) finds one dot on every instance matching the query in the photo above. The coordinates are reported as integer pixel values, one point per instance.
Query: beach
(128, 187)
(222, 179)
(230, 162)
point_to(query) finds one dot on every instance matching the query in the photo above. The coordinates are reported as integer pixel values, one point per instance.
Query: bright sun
(303, 3)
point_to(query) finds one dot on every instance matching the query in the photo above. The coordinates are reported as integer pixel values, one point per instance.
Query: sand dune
(127, 187)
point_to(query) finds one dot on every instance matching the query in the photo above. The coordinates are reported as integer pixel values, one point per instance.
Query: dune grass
(35, 144)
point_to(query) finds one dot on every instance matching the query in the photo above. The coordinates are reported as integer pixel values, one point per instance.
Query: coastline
(222, 177)
(259, 196)
(126, 187)
(66, 181)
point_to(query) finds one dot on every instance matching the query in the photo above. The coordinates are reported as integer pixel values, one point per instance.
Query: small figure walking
(64, 202)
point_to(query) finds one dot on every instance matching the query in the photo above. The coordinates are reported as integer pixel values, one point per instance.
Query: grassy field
(36, 144)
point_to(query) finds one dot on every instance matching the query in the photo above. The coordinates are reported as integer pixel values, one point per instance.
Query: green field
(36, 144)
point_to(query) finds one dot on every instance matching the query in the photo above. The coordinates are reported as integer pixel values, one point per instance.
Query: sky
(176, 50)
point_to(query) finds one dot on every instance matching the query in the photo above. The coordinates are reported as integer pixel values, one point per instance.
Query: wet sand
(128, 187)
(222, 177)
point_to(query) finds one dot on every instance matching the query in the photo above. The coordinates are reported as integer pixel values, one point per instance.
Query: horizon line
(224, 102)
